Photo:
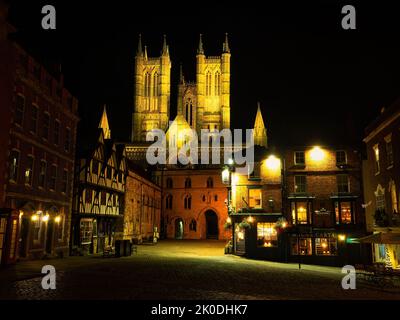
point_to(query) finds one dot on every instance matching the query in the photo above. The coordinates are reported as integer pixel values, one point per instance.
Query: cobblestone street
(180, 270)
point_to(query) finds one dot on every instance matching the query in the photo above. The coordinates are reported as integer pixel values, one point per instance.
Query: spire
(181, 77)
(165, 50)
(145, 52)
(139, 48)
(259, 131)
(225, 46)
(104, 124)
(200, 50)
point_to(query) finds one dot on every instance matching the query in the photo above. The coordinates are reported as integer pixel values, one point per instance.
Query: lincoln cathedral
(194, 198)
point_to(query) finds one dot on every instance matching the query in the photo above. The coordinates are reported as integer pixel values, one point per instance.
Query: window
(342, 183)
(86, 231)
(19, 110)
(325, 246)
(380, 198)
(155, 84)
(67, 140)
(376, 155)
(344, 212)
(147, 85)
(60, 228)
(266, 234)
(103, 197)
(95, 166)
(169, 183)
(88, 195)
(168, 202)
(210, 182)
(46, 125)
(56, 132)
(300, 184)
(35, 112)
(255, 198)
(108, 172)
(53, 177)
(64, 187)
(14, 164)
(301, 212)
(42, 174)
(37, 227)
(299, 158)
(193, 225)
(389, 151)
(29, 171)
(302, 246)
(188, 202)
(188, 183)
(215, 197)
(208, 84)
(341, 157)
(217, 83)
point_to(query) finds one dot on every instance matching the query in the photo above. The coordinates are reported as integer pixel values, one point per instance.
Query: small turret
(259, 131)
(181, 77)
(165, 50)
(104, 124)
(225, 46)
(139, 51)
(200, 49)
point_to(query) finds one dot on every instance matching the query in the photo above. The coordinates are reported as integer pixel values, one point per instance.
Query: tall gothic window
(147, 85)
(208, 84)
(155, 84)
(189, 112)
(217, 83)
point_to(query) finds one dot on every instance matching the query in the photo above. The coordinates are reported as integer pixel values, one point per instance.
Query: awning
(382, 237)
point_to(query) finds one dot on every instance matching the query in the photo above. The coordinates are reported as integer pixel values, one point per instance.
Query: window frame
(303, 156)
(297, 184)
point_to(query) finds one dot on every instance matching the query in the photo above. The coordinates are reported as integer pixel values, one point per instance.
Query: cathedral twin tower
(203, 104)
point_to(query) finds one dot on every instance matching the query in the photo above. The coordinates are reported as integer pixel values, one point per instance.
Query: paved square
(181, 270)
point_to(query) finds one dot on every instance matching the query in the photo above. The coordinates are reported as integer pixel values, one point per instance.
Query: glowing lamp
(342, 237)
(225, 176)
(284, 225)
(45, 218)
(35, 217)
(272, 162)
(267, 244)
(57, 219)
(317, 154)
(230, 161)
(324, 245)
(240, 235)
(250, 219)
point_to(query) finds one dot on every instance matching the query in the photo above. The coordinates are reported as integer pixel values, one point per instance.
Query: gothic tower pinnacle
(259, 131)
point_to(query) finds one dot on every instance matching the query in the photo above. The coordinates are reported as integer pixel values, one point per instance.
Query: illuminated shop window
(301, 213)
(266, 234)
(344, 212)
(86, 231)
(325, 246)
(302, 246)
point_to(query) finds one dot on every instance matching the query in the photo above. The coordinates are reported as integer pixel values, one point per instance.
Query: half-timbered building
(98, 193)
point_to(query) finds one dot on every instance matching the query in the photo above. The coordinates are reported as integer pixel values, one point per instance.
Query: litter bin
(127, 248)
(119, 248)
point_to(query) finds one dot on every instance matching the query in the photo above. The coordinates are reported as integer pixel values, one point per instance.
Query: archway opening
(178, 228)
(211, 225)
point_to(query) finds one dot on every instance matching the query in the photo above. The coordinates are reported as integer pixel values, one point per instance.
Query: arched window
(217, 83)
(188, 202)
(189, 111)
(155, 84)
(208, 83)
(147, 85)
(188, 183)
(168, 202)
(210, 182)
(169, 183)
(193, 225)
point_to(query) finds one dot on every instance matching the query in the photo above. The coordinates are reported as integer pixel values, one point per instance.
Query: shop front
(258, 235)
(8, 236)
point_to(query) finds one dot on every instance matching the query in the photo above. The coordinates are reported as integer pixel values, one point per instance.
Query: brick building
(194, 203)
(323, 204)
(142, 210)
(37, 150)
(381, 171)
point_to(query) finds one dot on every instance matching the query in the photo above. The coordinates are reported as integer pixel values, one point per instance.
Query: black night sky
(317, 83)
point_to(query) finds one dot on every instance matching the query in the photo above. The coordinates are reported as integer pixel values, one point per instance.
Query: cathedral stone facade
(194, 200)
